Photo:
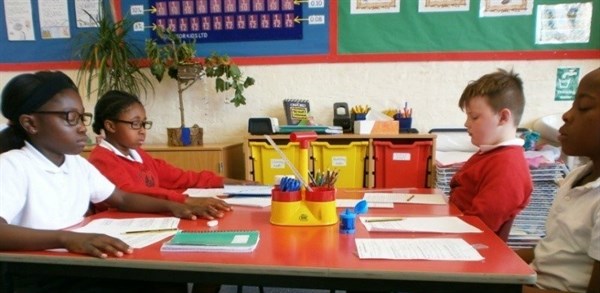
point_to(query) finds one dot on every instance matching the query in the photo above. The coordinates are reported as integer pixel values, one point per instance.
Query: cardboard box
(376, 127)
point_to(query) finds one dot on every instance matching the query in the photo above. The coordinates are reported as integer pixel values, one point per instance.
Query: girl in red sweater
(119, 157)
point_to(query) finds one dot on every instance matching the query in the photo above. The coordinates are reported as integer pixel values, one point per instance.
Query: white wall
(432, 89)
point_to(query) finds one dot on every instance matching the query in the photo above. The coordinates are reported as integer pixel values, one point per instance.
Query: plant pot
(187, 72)
(184, 136)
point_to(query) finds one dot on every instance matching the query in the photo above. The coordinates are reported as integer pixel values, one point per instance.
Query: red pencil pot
(320, 194)
(285, 196)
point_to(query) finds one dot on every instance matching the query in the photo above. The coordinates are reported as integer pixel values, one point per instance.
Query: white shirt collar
(43, 161)
(515, 141)
(133, 154)
(580, 172)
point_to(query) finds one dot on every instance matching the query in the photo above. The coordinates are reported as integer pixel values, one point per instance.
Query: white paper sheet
(86, 11)
(19, 20)
(205, 192)
(405, 198)
(54, 19)
(248, 190)
(117, 228)
(445, 224)
(452, 249)
(249, 201)
(350, 203)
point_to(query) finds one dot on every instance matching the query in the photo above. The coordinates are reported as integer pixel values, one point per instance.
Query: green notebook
(213, 241)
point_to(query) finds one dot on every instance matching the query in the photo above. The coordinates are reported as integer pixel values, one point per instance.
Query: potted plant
(108, 59)
(178, 59)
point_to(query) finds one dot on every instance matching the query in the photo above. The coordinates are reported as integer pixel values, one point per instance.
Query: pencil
(384, 220)
(410, 197)
(151, 231)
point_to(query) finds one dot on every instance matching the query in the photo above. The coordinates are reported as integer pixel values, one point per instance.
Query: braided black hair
(110, 105)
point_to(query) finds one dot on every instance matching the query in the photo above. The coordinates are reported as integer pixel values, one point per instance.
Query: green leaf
(248, 82)
(158, 70)
(234, 71)
(219, 85)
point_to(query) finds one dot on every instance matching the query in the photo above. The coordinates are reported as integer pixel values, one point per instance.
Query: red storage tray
(402, 165)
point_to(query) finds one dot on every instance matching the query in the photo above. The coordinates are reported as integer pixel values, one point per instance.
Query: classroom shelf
(224, 159)
(344, 147)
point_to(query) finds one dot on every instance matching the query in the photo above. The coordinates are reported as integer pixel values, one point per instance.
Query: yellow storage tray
(349, 159)
(267, 163)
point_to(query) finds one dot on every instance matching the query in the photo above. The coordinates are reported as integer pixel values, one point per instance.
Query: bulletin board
(407, 35)
(60, 53)
(411, 31)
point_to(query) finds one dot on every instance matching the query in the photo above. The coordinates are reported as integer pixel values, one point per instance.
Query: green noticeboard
(410, 31)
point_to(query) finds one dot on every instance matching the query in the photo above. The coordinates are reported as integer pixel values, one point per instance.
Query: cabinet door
(223, 159)
(210, 160)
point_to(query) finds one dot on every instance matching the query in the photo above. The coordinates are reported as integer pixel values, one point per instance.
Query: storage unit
(402, 165)
(224, 159)
(349, 159)
(266, 162)
(338, 145)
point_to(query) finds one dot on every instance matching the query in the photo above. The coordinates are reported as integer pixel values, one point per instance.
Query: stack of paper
(213, 241)
(136, 232)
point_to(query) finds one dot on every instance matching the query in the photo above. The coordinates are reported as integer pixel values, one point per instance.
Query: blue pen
(289, 184)
(283, 184)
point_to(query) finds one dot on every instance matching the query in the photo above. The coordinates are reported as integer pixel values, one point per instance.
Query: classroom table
(301, 257)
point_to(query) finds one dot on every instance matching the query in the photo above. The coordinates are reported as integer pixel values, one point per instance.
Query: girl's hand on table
(98, 245)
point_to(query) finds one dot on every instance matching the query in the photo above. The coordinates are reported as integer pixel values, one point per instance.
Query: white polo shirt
(35, 193)
(564, 258)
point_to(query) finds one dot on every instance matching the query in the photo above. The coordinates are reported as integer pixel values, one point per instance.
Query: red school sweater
(495, 185)
(153, 177)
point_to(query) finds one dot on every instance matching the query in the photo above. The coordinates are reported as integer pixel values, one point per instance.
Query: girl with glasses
(119, 156)
(45, 186)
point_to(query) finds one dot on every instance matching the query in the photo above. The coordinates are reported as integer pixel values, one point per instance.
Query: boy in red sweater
(120, 158)
(495, 183)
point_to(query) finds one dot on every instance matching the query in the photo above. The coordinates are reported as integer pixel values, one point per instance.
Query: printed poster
(208, 21)
(374, 6)
(54, 19)
(443, 5)
(563, 23)
(19, 20)
(86, 11)
(492, 8)
(567, 80)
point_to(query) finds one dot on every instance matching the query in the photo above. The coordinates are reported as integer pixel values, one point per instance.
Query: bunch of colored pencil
(325, 179)
(361, 109)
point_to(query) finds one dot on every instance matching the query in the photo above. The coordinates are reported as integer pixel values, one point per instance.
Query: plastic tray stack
(443, 175)
(529, 226)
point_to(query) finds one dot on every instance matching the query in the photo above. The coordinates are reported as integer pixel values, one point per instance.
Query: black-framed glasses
(72, 117)
(136, 124)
